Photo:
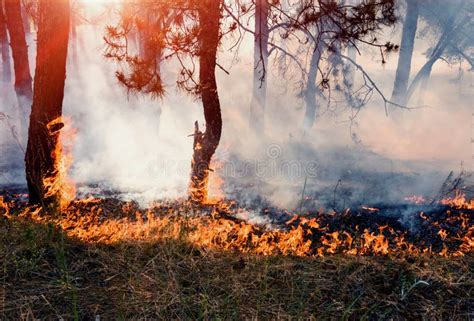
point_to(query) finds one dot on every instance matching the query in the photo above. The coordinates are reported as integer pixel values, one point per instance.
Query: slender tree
(312, 91)
(188, 29)
(5, 54)
(330, 27)
(23, 86)
(453, 31)
(45, 119)
(205, 144)
(406, 52)
(260, 65)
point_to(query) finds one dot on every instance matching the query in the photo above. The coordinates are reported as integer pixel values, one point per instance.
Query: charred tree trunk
(312, 89)
(205, 144)
(6, 67)
(406, 52)
(50, 76)
(23, 87)
(260, 72)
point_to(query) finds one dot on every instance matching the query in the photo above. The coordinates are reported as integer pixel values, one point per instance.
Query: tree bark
(205, 144)
(6, 67)
(45, 119)
(312, 89)
(406, 52)
(260, 71)
(20, 53)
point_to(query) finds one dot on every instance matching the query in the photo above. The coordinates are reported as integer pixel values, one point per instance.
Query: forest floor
(48, 274)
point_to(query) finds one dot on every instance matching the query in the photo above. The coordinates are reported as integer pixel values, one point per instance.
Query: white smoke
(141, 147)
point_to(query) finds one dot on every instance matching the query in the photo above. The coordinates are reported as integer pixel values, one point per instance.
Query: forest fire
(446, 230)
(328, 175)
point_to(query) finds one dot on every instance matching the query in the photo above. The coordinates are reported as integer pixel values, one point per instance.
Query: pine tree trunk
(205, 144)
(406, 52)
(6, 67)
(50, 76)
(260, 71)
(20, 53)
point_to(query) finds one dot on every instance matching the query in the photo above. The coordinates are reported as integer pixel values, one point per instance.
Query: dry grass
(46, 276)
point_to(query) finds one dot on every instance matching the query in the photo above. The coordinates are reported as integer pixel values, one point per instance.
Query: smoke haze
(141, 147)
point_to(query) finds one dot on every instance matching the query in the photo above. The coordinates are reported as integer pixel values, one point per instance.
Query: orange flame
(4, 207)
(459, 201)
(60, 184)
(302, 237)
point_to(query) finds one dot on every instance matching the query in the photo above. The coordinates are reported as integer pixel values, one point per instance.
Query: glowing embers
(57, 184)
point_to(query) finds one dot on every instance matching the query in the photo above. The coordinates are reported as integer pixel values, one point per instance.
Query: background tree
(5, 54)
(23, 86)
(260, 64)
(451, 23)
(326, 29)
(187, 29)
(406, 52)
(45, 119)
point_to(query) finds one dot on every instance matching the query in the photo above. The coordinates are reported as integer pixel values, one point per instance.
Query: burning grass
(445, 229)
(175, 260)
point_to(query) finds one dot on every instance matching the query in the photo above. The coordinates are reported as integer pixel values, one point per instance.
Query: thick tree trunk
(20, 53)
(260, 72)
(312, 89)
(205, 144)
(45, 119)
(6, 67)
(406, 52)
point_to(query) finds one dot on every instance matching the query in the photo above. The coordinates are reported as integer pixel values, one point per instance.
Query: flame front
(450, 233)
